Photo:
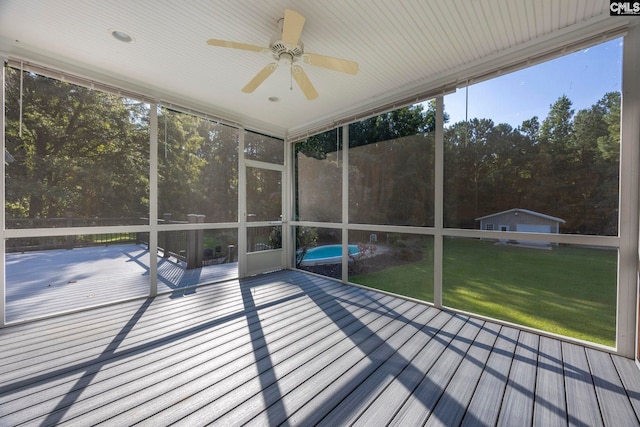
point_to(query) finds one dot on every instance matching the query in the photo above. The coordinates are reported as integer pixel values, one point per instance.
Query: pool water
(327, 254)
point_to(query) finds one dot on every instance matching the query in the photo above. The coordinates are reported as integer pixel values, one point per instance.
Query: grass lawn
(568, 290)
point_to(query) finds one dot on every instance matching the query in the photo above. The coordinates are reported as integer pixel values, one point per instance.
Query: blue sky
(583, 76)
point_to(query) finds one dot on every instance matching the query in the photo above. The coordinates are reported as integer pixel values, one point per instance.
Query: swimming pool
(326, 254)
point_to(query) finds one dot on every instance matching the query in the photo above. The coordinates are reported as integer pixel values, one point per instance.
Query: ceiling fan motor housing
(278, 48)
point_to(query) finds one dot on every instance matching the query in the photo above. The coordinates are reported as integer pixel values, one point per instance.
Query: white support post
(345, 202)
(627, 307)
(3, 284)
(288, 235)
(153, 200)
(242, 207)
(438, 215)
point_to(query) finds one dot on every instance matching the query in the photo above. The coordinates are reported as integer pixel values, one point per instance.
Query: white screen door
(263, 218)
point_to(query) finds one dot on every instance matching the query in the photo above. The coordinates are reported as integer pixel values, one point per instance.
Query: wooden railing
(184, 245)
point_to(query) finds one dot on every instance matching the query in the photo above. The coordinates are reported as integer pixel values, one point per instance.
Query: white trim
(316, 224)
(438, 218)
(3, 291)
(16, 233)
(344, 227)
(13, 233)
(571, 239)
(258, 224)
(288, 243)
(264, 165)
(198, 226)
(242, 208)
(629, 177)
(153, 200)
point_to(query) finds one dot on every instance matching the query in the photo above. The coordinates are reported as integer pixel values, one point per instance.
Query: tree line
(566, 165)
(73, 149)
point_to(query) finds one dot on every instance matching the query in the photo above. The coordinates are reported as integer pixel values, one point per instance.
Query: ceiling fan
(287, 48)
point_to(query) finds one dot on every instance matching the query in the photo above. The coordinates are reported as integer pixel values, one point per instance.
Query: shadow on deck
(289, 348)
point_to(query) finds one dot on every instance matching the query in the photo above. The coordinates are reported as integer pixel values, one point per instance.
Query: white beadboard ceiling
(403, 47)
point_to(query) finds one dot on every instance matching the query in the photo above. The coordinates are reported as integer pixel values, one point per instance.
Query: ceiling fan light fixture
(286, 58)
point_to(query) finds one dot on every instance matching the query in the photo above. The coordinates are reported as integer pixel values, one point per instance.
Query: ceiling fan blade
(292, 27)
(336, 64)
(260, 77)
(303, 81)
(235, 45)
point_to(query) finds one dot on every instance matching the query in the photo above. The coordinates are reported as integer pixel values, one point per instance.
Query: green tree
(596, 163)
(197, 169)
(557, 155)
(80, 151)
(468, 163)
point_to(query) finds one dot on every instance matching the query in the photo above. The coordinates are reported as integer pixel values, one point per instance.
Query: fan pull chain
(291, 80)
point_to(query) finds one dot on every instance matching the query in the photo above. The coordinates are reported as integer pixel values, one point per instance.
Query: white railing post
(153, 200)
(242, 207)
(438, 214)
(2, 195)
(345, 202)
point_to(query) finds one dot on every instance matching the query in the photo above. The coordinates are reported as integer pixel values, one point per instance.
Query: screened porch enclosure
(181, 248)
(390, 201)
(118, 190)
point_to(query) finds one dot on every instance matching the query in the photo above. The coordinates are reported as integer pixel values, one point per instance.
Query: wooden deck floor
(289, 348)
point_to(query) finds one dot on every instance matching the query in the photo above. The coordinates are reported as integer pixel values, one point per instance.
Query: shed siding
(512, 219)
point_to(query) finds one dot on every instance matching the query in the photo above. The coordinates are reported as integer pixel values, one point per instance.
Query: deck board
(517, 403)
(550, 401)
(387, 403)
(452, 406)
(627, 369)
(298, 349)
(615, 407)
(582, 402)
(432, 386)
(484, 408)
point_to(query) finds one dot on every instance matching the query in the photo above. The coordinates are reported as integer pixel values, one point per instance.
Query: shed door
(531, 228)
